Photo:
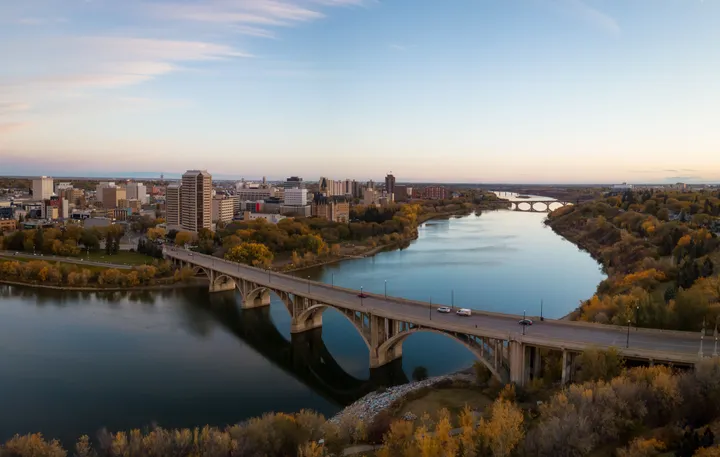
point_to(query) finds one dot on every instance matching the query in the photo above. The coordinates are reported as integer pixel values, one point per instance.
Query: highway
(660, 345)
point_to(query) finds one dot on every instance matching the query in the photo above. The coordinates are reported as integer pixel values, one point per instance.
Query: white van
(464, 312)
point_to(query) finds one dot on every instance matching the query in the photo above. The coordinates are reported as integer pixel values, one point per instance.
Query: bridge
(496, 340)
(536, 206)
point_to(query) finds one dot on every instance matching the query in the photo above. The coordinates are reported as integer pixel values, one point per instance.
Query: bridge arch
(198, 269)
(312, 318)
(392, 348)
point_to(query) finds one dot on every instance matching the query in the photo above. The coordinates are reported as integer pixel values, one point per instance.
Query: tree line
(636, 412)
(661, 266)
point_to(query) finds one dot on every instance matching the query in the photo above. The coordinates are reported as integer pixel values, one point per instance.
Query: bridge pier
(221, 283)
(312, 323)
(256, 299)
(568, 365)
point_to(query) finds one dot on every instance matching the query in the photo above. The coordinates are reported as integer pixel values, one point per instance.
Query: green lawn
(122, 258)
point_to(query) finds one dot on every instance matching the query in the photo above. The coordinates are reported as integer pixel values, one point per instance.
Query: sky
(519, 91)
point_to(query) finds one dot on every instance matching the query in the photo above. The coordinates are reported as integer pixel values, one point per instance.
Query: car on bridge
(363, 295)
(463, 312)
(443, 309)
(525, 321)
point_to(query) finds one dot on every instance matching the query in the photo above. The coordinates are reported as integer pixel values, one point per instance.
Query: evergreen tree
(39, 239)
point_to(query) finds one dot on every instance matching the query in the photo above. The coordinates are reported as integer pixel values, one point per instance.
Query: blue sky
(454, 90)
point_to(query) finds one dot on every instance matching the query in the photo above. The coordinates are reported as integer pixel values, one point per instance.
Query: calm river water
(72, 363)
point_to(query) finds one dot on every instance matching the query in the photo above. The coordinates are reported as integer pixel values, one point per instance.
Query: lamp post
(541, 309)
(627, 341)
(702, 335)
(332, 280)
(637, 317)
(361, 296)
(386, 288)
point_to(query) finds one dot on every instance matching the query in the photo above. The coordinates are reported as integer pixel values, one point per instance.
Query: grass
(453, 399)
(24, 259)
(122, 258)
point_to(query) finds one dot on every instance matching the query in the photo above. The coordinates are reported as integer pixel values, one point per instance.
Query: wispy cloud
(110, 61)
(8, 127)
(41, 20)
(398, 47)
(593, 16)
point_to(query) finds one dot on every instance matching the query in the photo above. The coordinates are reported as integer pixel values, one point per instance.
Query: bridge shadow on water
(305, 356)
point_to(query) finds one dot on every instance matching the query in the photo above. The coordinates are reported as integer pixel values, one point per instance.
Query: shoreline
(390, 246)
(195, 282)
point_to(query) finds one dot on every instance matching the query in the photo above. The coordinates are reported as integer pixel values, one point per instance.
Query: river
(71, 363)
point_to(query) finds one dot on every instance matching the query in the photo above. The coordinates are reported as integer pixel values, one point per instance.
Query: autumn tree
(598, 364)
(255, 254)
(183, 238)
(156, 233)
(504, 430)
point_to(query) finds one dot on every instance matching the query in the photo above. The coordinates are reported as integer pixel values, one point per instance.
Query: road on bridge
(672, 346)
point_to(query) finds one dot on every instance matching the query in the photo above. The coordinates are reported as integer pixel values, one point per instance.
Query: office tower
(390, 185)
(42, 188)
(196, 200)
(223, 208)
(295, 197)
(291, 182)
(137, 191)
(172, 206)
(112, 195)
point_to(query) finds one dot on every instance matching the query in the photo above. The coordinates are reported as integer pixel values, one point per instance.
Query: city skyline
(535, 91)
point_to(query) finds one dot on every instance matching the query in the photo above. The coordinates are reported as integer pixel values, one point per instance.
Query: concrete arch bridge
(537, 206)
(385, 322)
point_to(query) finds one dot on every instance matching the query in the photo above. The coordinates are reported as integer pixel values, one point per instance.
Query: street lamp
(361, 296)
(386, 288)
(637, 317)
(627, 342)
(332, 280)
(541, 307)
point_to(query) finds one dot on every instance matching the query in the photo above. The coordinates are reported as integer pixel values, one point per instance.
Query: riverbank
(368, 407)
(193, 282)
(373, 250)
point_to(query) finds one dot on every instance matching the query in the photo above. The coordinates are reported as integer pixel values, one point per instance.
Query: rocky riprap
(371, 404)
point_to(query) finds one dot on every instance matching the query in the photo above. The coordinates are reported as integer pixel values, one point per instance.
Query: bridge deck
(671, 346)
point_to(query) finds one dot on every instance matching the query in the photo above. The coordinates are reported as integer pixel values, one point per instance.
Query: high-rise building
(402, 193)
(223, 209)
(196, 200)
(137, 191)
(112, 195)
(42, 188)
(172, 206)
(370, 196)
(295, 197)
(390, 185)
(291, 182)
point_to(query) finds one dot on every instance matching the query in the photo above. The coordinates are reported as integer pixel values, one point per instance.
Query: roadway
(660, 345)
